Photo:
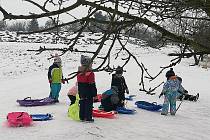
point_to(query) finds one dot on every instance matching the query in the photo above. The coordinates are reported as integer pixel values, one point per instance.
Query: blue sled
(41, 117)
(148, 106)
(130, 97)
(122, 110)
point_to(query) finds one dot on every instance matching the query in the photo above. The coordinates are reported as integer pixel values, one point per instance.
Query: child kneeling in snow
(110, 99)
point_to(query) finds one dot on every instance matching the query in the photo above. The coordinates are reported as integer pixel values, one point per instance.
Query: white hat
(57, 58)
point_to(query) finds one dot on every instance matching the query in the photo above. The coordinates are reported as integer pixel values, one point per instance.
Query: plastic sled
(73, 111)
(130, 97)
(103, 114)
(41, 117)
(36, 102)
(148, 106)
(19, 119)
(98, 99)
(123, 110)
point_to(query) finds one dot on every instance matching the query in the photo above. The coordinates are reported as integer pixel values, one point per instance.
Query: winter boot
(196, 97)
(164, 114)
(90, 120)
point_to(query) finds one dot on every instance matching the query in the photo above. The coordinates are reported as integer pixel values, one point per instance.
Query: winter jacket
(119, 82)
(86, 84)
(55, 73)
(106, 101)
(73, 91)
(172, 86)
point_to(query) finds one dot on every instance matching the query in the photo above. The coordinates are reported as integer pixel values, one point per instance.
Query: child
(110, 99)
(72, 94)
(170, 91)
(119, 81)
(55, 77)
(184, 95)
(86, 88)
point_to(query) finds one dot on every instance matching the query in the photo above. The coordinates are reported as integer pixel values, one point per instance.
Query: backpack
(19, 119)
(73, 111)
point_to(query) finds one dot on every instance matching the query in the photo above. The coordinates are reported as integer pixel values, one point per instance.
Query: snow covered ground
(24, 74)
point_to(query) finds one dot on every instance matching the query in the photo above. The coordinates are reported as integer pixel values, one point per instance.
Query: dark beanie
(119, 70)
(85, 60)
(170, 73)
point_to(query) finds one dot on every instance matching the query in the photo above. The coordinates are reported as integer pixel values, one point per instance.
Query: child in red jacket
(86, 88)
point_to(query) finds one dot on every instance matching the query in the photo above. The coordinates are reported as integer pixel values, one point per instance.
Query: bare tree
(123, 16)
(3, 25)
(17, 26)
(33, 25)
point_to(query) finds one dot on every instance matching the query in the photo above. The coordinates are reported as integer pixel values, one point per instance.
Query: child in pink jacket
(72, 93)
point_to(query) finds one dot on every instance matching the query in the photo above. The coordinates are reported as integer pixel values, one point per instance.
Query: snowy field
(24, 74)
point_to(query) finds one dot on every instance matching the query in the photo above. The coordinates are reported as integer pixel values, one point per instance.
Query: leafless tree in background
(124, 17)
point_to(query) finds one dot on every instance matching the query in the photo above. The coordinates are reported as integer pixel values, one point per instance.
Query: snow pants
(86, 107)
(55, 89)
(169, 99)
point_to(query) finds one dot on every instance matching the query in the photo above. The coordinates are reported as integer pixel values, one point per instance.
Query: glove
(66, 80)
(50, 81)
(127, 91)
(63, 81)
(185, 91)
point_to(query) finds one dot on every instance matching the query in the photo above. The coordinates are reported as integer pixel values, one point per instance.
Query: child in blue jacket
(171, 90)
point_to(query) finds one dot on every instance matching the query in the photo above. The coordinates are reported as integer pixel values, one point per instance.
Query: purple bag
(36, 102)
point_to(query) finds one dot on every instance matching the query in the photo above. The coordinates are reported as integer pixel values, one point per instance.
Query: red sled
(103, 114)
(19, 119)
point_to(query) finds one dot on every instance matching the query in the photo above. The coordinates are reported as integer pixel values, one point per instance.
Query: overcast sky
(19, 7)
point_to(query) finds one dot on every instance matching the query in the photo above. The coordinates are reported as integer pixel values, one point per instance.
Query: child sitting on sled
(184, 95)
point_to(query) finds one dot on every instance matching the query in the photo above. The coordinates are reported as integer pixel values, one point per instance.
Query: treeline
(154, 39)
(32, 25)
(94, 26)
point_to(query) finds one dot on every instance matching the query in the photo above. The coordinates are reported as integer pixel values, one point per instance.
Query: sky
(24, 74)
(18, 7)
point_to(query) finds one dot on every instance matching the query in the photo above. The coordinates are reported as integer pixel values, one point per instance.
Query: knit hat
(85, 60)
(170, 73)
(119, 70)
(57, 58)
